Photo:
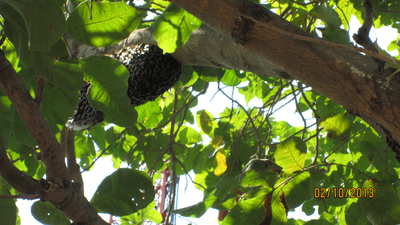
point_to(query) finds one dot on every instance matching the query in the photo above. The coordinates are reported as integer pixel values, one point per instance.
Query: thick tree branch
(28, 111)
(61, 192)
(221, 52)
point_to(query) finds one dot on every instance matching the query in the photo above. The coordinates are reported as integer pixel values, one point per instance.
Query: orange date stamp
(343, 192)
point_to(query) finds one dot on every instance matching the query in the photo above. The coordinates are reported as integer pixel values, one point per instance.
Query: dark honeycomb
(85, 116)
(151, 72)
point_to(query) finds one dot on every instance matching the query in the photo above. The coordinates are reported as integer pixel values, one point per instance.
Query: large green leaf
(46, 213)
(43, 32)
(174, 27)
(231, 78)
(250, 210)
(84, 148)
(109, 89)
(64, 82)
(149, 114)
(143, 215)
(327, 15)
(260, 172)
(290, 155)
(204, 121)
(337, 124)
(188, 135)
(103, 23)
(123, 192)
(197, 210)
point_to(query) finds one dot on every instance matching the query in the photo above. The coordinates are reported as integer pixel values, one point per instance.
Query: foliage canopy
(250, 166)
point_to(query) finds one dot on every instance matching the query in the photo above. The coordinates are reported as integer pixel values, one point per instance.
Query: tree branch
(362, 36)
(64, 195)
(37, 126)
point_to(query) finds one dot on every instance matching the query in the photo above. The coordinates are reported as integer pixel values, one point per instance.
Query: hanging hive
(151, 72)
(85, 115)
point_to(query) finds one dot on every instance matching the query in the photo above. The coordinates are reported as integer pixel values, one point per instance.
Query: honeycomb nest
(85, 115)
(151, 72)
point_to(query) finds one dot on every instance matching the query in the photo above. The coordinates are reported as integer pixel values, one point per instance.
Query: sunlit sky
(188, 194)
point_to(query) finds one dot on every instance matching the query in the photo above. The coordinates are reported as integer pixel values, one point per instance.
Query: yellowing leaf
(220, 157)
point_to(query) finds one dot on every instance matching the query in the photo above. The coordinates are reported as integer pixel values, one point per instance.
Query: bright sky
(188, 194)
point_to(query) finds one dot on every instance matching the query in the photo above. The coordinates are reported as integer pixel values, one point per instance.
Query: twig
(170, 150)
(298, 109)
(362, 36)
(21, 196)
(259, 142)
(317, 121)
(104, 151)
(190, 177)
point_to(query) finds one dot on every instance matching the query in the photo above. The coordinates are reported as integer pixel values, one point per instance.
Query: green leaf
(42, 33)
(353, 214)
(11, 55)
(148, 213)
(328, 15)
(174, 27)
(46, 213)
(8, 209)
(384, 206)
(337, 124)
(65, 80)
(188, 135)
(230, 78)
(290, 155)
(123, 192)
(335, 34)
(109, 86)
(204, 121)
(84, 149)
(103, 23)
(260, 172)
(188, 76)
(250, 210)
(207, 73)
(300, 188)
(197, 210)
(149, 114)
(278, 209)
